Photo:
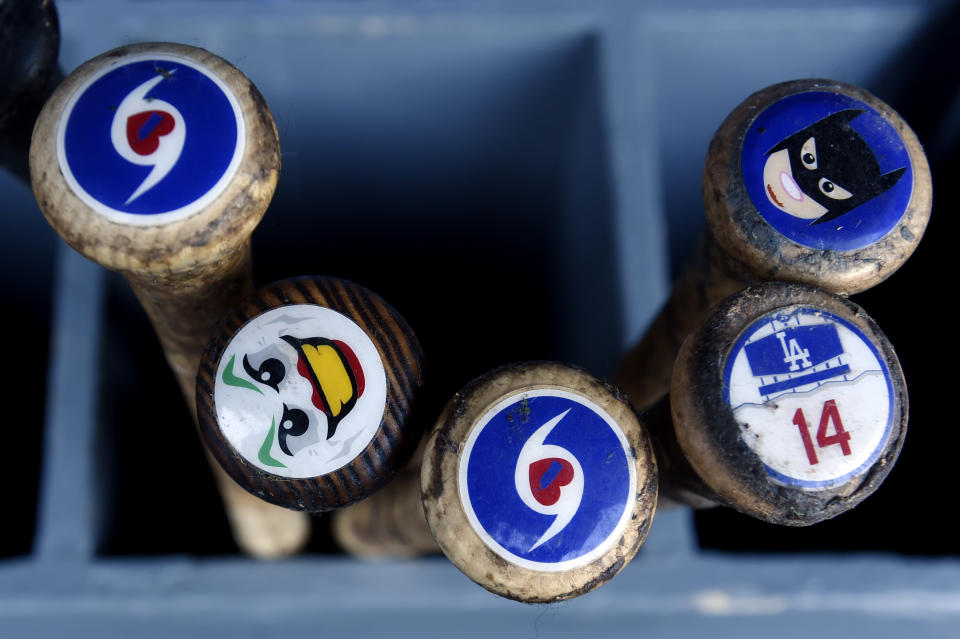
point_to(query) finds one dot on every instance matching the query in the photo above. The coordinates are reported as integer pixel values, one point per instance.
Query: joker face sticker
(300, 391)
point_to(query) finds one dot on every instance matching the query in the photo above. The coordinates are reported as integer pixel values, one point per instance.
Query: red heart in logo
(546, 478)
(145, 128)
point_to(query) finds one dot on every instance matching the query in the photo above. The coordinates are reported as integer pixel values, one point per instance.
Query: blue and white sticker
(812, 395)
(827, 171)
(547, 480)
(150, 139)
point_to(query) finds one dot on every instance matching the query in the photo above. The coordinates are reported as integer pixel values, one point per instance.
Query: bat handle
(391, 523)
(710, 276)
(260, 528)
(680, 485)
(183, 308)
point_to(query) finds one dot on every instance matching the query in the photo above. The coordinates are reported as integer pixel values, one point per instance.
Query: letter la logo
(792, 353)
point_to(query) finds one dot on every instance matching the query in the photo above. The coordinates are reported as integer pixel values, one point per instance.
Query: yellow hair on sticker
(335, 382)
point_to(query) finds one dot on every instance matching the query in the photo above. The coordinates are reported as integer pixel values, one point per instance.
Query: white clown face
(300, 391)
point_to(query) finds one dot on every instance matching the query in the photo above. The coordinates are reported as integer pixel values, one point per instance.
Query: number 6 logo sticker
(812, 396)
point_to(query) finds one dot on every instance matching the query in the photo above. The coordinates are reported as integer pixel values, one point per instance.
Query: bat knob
(818, 182)
(789, 403)
(304, 391)
(538, 481)
(157, 158)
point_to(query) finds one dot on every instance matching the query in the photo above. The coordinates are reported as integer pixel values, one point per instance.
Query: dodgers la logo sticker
(300, 391)
(812, 396)
(826, 170)
(547, 480)
(151, 139)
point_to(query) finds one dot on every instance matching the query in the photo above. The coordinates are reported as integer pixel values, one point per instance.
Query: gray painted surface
(644, 86)
(68, 520)
(655, 595)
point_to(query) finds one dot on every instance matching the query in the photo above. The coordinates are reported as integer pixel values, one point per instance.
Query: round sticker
(300, 391)
(826, 170)
(547, 480)
(150, 139)
(812, 396)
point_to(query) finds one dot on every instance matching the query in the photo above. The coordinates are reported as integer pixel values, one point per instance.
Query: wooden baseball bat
(809, 181)
(158, 160)
(539, 482)
(304, 393)
(29, 44)
(390, 524)
(869, 211)
(788, 404)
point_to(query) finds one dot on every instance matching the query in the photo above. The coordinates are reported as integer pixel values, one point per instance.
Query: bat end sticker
(547, 480)
(812, 396)
(826, 170)
(300, 391)
(150, 139)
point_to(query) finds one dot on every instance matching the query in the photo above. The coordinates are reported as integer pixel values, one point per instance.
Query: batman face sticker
(300, 391)
(826, 170)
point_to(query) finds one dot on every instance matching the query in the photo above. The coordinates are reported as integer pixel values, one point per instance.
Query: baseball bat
(787, 404)
(538, 481)
(390, 524)
(528, 520)
(305, 390)
(158, 160)
(809, 181)
(29, 43)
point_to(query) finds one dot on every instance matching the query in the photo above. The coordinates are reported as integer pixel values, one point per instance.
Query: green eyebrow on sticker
(264, 455)
(233, 380)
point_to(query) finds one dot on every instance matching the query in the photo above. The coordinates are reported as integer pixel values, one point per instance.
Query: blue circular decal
(826, 171)
(547, 480)
(812, 395)
(150, 139)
